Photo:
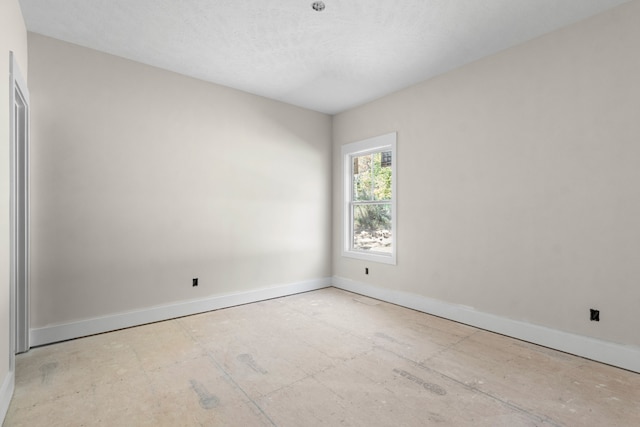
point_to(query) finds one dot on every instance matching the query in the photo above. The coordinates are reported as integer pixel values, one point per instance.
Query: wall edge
(619, 355)
(62, 332)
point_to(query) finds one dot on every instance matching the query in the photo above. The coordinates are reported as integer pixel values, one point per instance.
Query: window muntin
(369, 210)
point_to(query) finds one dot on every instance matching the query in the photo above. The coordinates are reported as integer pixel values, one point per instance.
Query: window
(369, 174)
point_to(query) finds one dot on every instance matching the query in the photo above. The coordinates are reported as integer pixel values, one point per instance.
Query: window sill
(373, 257)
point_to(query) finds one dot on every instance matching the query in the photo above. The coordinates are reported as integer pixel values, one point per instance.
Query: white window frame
(349, 151)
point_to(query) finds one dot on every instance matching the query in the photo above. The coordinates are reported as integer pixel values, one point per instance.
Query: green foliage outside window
(371, 180)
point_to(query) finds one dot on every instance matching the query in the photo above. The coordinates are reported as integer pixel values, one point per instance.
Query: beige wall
(518, 181)
(143, 179)
(13, 37)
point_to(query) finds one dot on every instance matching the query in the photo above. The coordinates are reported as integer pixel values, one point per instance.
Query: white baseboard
(6, 393)
(62, 332)
(622, 356)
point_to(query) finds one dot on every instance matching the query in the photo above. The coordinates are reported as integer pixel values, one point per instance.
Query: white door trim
(19, 199)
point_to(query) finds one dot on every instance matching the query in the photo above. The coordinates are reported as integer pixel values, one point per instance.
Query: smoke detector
(318, 6)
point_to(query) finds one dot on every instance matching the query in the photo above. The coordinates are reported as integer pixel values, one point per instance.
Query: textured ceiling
(352, 52)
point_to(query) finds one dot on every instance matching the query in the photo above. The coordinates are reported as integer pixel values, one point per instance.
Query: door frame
(19, 209)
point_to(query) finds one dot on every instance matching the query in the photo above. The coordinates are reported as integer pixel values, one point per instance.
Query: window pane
(382, 176)
(372, 227)
(362, 178)
(372, 177)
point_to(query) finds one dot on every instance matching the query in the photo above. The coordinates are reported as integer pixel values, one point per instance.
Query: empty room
(320, 213)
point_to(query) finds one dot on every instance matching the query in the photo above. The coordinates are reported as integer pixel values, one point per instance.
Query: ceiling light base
(318, 6)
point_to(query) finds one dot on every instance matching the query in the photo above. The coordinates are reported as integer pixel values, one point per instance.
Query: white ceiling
(352, 52)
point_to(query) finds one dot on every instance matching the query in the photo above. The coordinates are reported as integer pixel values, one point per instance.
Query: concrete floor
(323, 358)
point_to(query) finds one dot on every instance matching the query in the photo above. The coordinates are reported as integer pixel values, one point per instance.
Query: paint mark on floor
(248, 360)
(206, 399)
(436, 418)
(367, 301)
(47, 370)
(386, 337)
(433, 388)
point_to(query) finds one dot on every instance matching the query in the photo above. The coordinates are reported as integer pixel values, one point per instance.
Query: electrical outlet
(194, 282)
(595, 315)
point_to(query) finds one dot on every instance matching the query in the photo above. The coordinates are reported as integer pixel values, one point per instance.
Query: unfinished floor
(323, 358)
